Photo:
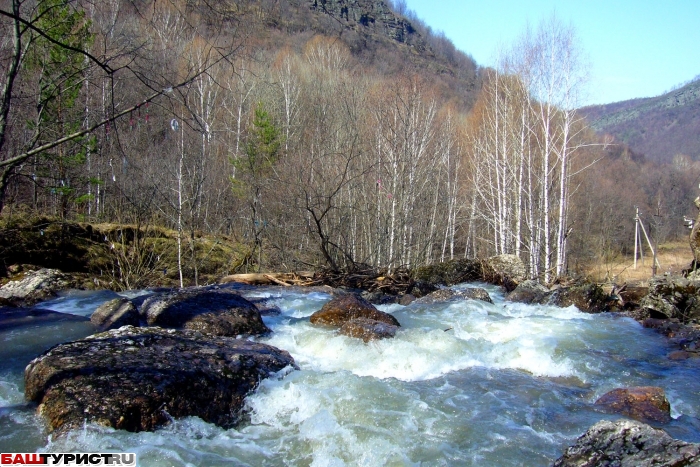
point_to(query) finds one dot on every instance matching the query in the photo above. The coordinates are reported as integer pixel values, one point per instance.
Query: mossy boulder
(470, 293)
(529, 291)
(504, 270)
(590, 298)
(450, 272)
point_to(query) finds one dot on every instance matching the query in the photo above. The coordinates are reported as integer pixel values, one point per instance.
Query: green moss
(117, 256)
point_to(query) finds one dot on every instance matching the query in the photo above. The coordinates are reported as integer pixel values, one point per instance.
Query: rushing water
(463, 383)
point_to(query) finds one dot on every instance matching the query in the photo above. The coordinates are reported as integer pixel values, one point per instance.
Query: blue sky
(636, 48)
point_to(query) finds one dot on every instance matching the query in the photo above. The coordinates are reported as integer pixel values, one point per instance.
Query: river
(463, 383)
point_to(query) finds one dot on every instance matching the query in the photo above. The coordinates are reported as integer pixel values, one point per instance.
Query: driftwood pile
(399, 282)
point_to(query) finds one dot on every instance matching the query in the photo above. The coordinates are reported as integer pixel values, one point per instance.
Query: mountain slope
(376, 35)
(659, 127)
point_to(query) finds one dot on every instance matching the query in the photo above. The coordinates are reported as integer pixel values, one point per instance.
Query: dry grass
(673, 257)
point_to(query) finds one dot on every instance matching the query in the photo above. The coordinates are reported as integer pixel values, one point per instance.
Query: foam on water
(435, 340)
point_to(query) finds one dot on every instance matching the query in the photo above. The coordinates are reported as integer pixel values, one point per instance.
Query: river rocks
(589, 298)
(685, 336)
(33, 286)
(214, 312)
(344, 308)
(505, 270)
(378, 298)
(472, 293)
(368, 329)
(115, 314)
(529, 291)
(356, 318)
(672, 297)
(137, 379)
(448, 273)
(645, 403)
(627, 443)
(406, 299)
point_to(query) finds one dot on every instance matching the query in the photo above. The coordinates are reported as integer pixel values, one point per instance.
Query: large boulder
(136, 379)
(529, 291)
(28, 288)
(442, 295)
(115, 314)
(448, 273)
(368, 329)
(644, 403)
(672, 297)
(505, 270)
(589, 298)
(627, 443)
(214, 312)
(344, 308)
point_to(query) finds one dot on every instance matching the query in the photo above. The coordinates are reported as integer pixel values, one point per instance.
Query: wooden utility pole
(636, 235)
(655, 262)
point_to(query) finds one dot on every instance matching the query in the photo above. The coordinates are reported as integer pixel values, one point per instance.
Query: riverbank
(113, 256)
(122, 257)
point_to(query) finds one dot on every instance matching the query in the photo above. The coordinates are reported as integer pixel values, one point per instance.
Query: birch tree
(526, 136)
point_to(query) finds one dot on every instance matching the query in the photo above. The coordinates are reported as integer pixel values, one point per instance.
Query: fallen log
(277, 281)
(397, 284)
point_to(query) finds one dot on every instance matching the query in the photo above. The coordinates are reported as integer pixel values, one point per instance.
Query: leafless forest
(209, 118)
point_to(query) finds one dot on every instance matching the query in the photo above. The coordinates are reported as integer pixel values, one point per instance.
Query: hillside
(377, 36)
(659, 127)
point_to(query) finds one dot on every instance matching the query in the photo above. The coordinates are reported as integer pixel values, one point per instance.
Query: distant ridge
(659, 127)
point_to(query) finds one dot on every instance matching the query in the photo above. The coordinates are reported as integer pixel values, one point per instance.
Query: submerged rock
(136, 379)
(627, 443)
(644, 403)
(344, 308)
(115, 314)
(472, 293)
(368, 329)
(214, 312)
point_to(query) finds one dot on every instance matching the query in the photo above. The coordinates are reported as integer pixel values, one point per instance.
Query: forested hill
(338, 134)
(389, 39)
(659, 127)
